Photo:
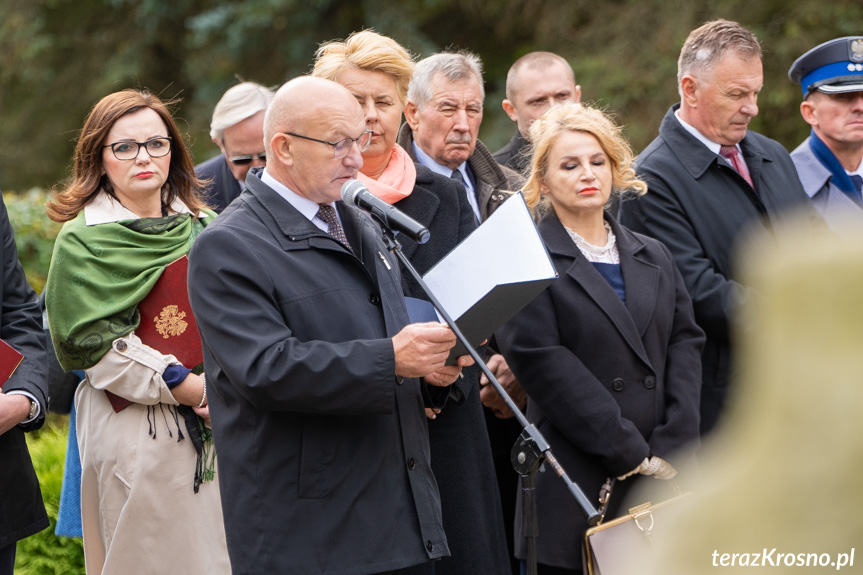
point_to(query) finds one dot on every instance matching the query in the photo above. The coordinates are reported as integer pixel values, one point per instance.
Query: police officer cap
(832, 67)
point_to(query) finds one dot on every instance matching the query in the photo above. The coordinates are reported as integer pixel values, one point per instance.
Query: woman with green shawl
(132, 207)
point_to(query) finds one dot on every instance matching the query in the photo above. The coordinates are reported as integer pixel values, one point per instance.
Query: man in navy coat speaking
(316, 382)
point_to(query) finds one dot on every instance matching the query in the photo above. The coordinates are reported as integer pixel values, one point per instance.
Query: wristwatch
(34, 409)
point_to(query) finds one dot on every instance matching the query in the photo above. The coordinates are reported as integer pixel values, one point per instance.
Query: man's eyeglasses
(343, 147)
(156, 147)
(243, 160)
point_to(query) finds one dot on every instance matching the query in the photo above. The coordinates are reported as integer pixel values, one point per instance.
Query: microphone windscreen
(350, 190)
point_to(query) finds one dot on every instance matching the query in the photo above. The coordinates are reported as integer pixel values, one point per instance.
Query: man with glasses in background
(238, 129)
(313, 371)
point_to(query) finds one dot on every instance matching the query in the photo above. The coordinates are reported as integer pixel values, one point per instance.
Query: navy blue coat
(324, 462)
(698, 206)
(21, 510)
(608, 383)
(223, 188)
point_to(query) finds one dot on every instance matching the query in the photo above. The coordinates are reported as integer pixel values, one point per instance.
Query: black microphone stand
(531, 448)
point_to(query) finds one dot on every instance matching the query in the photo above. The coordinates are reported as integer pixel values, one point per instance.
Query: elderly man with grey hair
(443, 112)
(709, 179)
(238, 129)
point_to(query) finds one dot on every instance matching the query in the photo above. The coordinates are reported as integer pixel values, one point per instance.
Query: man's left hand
(448, 373)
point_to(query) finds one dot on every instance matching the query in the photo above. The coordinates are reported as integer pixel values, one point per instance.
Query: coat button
(411, 463)
(120, 345)
(649, 382)
(429, 545)
(617, 384)
(399, 380)
(374, 299)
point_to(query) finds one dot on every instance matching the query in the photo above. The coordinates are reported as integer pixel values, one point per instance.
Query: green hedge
(34, 233)
(45, 553)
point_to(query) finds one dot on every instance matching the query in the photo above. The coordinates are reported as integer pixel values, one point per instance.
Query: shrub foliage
(34, 233)
(45, 553)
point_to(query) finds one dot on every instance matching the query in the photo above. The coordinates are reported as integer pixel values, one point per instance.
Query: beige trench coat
(139, 510)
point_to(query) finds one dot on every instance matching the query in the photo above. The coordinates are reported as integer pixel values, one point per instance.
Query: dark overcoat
(698, 206)
(460, 450)
(223, 188)
(494, 184)
(323, 451)
(21, 510)
(608, 383)
(514, 154)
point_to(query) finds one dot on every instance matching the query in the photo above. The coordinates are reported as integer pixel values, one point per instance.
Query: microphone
(355, 193)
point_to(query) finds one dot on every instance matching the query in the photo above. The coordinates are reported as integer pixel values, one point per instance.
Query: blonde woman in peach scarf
(377, 70)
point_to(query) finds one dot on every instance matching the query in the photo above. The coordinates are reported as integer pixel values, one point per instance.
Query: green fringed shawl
(100, 273)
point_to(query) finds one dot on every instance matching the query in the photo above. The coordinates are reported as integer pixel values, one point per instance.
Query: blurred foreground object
(780, 483)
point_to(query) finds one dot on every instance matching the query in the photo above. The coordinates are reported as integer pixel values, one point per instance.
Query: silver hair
(705, 47)
(238, 103)
(453, 65)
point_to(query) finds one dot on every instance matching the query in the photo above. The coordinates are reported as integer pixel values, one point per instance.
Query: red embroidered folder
(9, 361)
(167, 323)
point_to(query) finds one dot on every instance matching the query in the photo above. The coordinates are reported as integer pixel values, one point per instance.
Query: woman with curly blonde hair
(575, 117)
(609, 354)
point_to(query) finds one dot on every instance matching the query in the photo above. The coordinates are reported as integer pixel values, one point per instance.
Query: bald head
(313, 109)
(302, 99)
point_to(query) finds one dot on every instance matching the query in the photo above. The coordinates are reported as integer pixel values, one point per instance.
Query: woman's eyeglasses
(156, 147)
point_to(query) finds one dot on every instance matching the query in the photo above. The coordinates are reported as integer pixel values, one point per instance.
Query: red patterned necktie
(730, 154)
(328, 214)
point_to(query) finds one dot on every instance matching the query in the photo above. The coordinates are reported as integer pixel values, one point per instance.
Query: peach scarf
(398, 179)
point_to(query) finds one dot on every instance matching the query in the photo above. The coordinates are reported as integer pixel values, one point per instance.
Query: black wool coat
(324, 463)
(514, 154)
(21, 510)
(460, 450)
(699, 206)
(607, 383)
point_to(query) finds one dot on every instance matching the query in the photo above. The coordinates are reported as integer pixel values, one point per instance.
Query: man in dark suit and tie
(710, 179)
(443, 114)
(317, 383)
(238, 129)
